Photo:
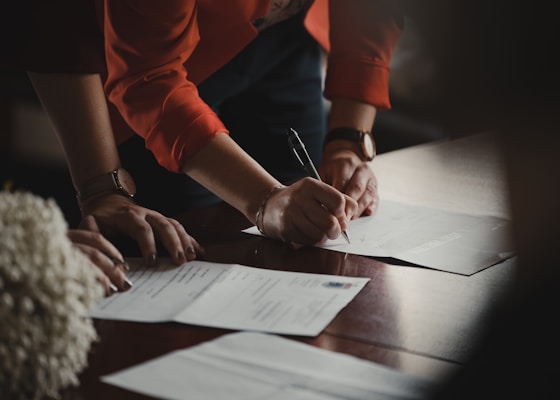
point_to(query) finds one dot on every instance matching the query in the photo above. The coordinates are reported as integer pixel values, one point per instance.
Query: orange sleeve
(146, 45)
(363, 35)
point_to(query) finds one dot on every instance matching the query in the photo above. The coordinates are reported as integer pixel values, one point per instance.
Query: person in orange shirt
(63, 57)
(202, 96)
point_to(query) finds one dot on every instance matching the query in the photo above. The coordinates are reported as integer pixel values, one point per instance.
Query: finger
(362, 187)
(370, 198)
(337, 212)
(357, 184)
(135, 225)
(191, 247)
(109, 288)
(98, 241)
(367, 200)
(115, 275)
(89, 223)
(325, 207)
(351, 209)
(372, 208)
(341, 177)
(305, 232)
(164, 230)
(320, 223)
(338, 171)
(100, 277)
(180, 245)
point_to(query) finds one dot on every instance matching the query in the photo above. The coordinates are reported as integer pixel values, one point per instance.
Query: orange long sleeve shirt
(157, 53)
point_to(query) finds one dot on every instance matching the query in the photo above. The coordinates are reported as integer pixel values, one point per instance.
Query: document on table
(428, 237)
(231, 296)
(251, 365)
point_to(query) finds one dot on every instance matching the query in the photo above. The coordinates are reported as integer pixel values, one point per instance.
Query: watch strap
(352, 135)
(101, 184)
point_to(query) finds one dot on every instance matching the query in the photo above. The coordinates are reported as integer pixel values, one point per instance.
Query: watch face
(362, 138)
(368, 146)
(126, 182)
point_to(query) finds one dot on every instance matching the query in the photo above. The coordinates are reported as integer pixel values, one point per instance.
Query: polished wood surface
(466, 174)
(417, 320)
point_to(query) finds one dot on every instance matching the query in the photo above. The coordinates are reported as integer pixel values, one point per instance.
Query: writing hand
(307, 212)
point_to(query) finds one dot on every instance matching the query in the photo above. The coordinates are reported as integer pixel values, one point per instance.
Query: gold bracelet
(262, 207)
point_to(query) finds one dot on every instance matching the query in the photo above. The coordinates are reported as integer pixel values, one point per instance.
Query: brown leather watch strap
(363, 138)
(117, 181)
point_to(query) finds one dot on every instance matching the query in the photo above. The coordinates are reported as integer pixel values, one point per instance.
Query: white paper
(439, 239)
(251, 366)
(231, 296)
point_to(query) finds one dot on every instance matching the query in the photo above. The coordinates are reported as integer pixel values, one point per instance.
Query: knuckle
(144, 228)
(356, 186)
(174, 222)
(97, 237)
(129, 210)
(97, 257)
(370, 189)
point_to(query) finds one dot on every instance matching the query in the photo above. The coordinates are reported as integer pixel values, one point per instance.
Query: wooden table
(417, 320)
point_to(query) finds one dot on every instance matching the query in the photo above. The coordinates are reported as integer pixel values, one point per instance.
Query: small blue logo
(341, 285)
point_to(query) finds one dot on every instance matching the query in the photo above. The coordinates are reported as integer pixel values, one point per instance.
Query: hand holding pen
(298, 148)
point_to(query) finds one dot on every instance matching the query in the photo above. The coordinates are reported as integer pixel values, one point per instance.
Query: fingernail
(113, 288)
(152, 260)
(190, 250)
(127, 284)
(180, 255)
(116, 260)
(123, 265)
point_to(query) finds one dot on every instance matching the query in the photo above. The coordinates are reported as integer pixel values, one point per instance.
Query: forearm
(226, 170)
(77, 108)
(352, 114)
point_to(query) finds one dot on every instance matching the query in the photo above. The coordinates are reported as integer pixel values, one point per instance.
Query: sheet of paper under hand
(434, 238)
(231, 296)
(251, 365)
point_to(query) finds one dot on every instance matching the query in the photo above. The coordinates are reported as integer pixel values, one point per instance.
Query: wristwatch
(363, 138)
(118, 181)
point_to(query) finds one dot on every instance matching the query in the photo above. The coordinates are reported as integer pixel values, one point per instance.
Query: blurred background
(31, 157)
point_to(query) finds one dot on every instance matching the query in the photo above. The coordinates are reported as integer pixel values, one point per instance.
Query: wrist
(358, 141)
(101, 200)
(118, 181)
(259, 219)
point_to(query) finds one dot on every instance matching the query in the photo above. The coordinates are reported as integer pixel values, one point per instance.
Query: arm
(75, 104)
(306, 212)
(148, 83)
(77, 108)
(363, 36)
(341, 166)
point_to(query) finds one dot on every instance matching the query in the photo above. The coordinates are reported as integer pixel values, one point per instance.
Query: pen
(298, 148)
